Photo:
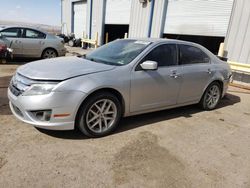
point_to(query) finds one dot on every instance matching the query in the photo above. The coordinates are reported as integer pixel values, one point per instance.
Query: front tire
(211, 96)
(99, 115)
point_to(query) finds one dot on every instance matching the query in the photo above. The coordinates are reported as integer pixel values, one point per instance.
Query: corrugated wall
(138, 26)
(237, 42)
(159, 18)
(139, 18)
(98, 19)
(66, 16)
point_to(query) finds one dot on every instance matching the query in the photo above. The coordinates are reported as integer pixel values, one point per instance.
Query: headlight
(39, 89)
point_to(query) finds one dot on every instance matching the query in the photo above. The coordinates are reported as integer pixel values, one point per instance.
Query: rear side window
(11, 32)
(192, 55)
(34, 34)
(164, 55)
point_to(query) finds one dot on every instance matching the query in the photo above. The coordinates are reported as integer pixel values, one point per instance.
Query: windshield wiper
(102, 61)
(91, 59)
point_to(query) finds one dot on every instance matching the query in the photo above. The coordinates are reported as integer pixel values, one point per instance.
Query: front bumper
(58, 102)
(225, 87)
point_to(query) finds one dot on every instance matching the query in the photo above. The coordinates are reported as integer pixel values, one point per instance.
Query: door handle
(209, 71)
(174, 74)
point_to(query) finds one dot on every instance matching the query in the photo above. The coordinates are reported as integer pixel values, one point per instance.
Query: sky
(31, 11)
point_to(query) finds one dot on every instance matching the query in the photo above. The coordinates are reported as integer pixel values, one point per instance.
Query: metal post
(151, 17)
(106, 38)
(90, 18)
(96, 39)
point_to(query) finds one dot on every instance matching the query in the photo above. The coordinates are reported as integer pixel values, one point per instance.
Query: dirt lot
(184, 147)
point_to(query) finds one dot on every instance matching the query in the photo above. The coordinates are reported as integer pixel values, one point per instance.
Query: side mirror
(149, 65)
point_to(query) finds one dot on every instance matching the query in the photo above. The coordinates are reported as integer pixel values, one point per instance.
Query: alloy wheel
(49, 54)
(212, 96)
(101, 115)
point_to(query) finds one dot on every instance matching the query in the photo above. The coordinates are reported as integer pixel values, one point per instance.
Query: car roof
(160, 40)
(175, 41)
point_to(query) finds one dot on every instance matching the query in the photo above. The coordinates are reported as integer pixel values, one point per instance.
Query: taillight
(3, 47)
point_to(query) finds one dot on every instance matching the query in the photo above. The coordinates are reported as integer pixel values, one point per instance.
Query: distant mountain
(47, 28)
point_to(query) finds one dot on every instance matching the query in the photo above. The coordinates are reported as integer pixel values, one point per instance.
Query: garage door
(79, 18)
(198, 17)
(117, 11)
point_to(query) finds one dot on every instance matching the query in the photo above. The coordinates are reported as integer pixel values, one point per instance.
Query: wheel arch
(106, 89)
(47, 48)
(219, 81)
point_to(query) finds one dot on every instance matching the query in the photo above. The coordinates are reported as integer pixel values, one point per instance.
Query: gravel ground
(183, 147)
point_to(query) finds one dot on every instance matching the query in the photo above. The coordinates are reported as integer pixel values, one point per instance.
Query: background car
(5, 52)
(29, 42)
(122, 78)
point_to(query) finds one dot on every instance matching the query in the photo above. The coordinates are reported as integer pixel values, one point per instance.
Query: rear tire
(99, 115)
(211, 96)
(49, 53)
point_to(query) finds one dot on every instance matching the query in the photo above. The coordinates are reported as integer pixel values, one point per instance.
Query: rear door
(33, 42)
(159, 88)
(196, 71)
(12, 38)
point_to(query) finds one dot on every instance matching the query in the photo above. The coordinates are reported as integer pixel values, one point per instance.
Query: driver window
(164, 55)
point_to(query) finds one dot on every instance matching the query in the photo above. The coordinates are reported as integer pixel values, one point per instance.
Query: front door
(152, 89)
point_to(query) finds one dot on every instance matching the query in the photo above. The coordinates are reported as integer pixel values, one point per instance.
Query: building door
(205, 18)
(117, 17)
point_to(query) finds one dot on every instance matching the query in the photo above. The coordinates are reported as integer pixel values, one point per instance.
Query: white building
(208, 22)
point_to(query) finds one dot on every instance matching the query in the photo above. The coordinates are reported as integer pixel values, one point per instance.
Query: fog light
(42, 115)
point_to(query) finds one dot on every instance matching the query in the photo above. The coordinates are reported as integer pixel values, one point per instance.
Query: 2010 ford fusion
(123, 78)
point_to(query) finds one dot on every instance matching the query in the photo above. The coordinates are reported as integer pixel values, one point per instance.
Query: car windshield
(118, 52)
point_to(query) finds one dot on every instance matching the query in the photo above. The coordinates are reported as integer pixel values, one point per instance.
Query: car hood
(61, 68)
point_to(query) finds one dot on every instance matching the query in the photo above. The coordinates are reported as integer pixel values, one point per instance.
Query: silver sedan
(30, 42)
(123, 78)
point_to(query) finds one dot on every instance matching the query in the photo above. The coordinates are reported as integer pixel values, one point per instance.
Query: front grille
(19, 84)
(15, 91)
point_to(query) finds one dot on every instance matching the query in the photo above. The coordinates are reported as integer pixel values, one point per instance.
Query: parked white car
(29, 42)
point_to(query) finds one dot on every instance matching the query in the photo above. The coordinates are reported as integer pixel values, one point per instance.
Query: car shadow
(19, 61)
(137, 121)
(4, 102)
(186, 111)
